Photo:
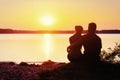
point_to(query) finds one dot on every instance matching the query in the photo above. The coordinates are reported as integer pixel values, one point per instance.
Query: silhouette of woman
(74, 53)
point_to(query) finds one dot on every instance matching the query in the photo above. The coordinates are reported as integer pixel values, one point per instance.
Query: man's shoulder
(90, 36)
(98, 37)
(85, 36)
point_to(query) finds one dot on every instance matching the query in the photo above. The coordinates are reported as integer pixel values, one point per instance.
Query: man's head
(92, 28)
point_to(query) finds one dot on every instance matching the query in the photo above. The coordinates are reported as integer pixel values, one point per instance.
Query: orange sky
(26, 14)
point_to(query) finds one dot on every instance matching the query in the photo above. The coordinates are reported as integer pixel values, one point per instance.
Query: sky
(64, 14)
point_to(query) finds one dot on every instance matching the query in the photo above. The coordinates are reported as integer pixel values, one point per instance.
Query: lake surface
(42, 47)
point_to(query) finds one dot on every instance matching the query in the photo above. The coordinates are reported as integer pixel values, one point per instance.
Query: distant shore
(11, 31)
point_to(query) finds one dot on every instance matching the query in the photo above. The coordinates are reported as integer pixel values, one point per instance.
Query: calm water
(41, 47)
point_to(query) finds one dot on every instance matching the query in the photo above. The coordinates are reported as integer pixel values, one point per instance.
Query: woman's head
(78, 29)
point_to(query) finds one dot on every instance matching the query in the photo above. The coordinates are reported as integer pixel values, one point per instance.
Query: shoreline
(23, 70)
(58, 71)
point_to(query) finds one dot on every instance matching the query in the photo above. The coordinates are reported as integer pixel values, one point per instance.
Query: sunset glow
(59, 14)
(47, 20)
(43, 34)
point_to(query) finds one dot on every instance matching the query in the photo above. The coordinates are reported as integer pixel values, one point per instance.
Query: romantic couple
(90, 42)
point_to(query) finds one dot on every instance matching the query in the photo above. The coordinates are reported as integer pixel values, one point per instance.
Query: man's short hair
(92, 27)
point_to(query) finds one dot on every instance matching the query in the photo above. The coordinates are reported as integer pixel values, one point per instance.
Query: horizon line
(12, 31)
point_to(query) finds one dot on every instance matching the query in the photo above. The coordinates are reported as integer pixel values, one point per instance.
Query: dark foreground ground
(59, 71)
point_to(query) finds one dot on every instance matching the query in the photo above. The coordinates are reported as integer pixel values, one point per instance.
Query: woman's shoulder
(74, 36)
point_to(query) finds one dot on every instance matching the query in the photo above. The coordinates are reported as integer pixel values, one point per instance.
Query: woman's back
(75, 53)
(73, 39)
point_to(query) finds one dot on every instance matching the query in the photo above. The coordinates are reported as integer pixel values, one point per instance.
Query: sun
(47, 20)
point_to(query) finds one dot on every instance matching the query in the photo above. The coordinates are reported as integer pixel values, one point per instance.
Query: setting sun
(47, 20)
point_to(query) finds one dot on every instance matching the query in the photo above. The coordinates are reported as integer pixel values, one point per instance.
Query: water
(42, 47)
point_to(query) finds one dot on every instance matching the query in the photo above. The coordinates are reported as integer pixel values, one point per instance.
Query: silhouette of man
(75, 53)
(91, 43)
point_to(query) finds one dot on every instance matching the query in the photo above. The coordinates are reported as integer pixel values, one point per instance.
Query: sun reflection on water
(47, 45)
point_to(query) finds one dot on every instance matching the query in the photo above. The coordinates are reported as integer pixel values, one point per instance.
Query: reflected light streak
(47, 45)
